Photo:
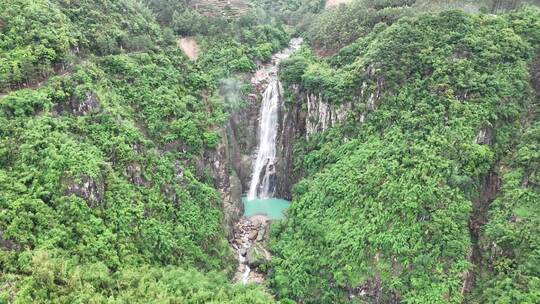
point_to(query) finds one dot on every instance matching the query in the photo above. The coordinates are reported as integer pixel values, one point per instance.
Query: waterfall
(261, 181)
(263, 178)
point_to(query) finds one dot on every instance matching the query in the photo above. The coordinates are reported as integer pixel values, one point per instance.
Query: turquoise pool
(272, 207)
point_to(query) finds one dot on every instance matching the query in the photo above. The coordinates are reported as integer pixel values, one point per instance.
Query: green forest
(114, 145)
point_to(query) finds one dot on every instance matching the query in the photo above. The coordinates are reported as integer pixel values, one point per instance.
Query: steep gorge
(410, 155)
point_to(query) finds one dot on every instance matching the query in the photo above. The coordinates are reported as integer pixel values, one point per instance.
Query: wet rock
(259, 221)
(245, 168)
(255, 277)
(86, 188)
(232, 204)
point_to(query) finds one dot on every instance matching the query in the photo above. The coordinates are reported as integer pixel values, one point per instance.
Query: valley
(258, 152)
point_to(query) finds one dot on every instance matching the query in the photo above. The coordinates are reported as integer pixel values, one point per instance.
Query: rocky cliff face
(242, 134)
(308, 114)
(225, 181)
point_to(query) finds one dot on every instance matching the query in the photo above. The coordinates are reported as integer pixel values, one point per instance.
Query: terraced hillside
(227, 8)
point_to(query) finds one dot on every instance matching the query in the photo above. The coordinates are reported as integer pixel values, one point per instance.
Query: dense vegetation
(385, 209)
(342, 25)
(427, 191)
(31, 43)
(336, 28)
(103, 197)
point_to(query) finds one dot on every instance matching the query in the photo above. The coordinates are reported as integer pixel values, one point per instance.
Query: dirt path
(189, 46)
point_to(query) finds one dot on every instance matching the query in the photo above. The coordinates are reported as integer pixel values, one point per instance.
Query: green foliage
(386, 204)
(110, 27)
(292, 12)
(53, 280)
(511, 240)
(34, 36)
(105, 195)
(340, 26)
(165, 9)
(47, 155)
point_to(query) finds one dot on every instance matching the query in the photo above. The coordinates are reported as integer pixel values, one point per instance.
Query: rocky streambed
(249, 239)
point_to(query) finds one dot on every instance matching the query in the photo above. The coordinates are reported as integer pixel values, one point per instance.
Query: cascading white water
(263, 176)
(266, 152)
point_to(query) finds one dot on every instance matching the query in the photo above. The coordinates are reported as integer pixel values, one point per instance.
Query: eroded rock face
(225, 180)
(88, 106)
(7, 244)
(168, 189)
(242, 138)
(297, 123)
(310, 114)
(484, 136)
(134, 174)
(81, 107)
(321, 115)
(232, 204)
(85, 187)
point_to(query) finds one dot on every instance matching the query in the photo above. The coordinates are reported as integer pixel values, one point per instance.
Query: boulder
(253, 235)
(484, 136)
(87, 105)
(257, 255)
(260, 235)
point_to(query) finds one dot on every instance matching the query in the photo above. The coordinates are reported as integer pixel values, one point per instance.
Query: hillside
(228, 8)
(401, 136)
(106, 177)
(396, 196)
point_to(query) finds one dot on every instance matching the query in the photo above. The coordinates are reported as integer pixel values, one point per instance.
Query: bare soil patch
(189, 46)
(331, 3)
